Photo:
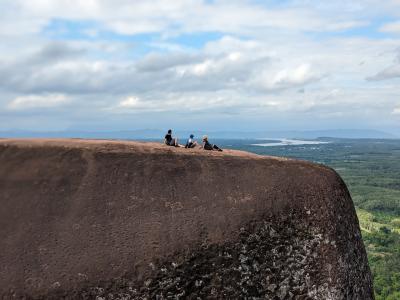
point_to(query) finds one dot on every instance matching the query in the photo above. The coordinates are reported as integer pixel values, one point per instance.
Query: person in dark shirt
(191, 143)
(169, 140)
(208, 146)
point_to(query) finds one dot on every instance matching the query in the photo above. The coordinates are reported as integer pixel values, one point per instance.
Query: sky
(245, 65)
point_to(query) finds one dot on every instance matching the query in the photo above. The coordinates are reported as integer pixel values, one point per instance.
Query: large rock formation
(126, 220)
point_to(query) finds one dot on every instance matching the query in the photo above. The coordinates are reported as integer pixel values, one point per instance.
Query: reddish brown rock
(86, 219)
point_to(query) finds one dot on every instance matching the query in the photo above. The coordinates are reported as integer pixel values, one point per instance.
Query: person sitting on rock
(191, 143)
(169, 140)
(208, 146)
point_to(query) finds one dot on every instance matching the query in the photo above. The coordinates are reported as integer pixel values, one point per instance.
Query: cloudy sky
(204, 65)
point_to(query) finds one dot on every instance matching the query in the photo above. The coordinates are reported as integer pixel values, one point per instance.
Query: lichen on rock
(276, 258)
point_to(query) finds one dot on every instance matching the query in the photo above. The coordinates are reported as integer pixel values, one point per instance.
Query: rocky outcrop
(98, 219)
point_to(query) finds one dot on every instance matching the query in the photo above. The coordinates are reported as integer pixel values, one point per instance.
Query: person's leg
(217, 148)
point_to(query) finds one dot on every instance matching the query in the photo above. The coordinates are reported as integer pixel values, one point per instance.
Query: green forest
(373, 178)
(371, 170)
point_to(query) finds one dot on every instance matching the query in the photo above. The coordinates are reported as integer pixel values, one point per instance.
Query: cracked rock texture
(83, 219)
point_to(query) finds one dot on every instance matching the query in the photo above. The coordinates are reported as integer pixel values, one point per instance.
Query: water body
(287, 142)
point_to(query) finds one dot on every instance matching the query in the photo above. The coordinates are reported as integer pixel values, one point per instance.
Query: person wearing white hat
(208, 146)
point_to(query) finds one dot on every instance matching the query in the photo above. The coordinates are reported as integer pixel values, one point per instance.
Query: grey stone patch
(272, 259)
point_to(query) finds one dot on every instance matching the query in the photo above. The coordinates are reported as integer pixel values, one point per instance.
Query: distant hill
(311, 134)
(159, 134)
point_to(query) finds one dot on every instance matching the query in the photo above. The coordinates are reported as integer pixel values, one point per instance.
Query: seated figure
(191, 143)
(169, 140)
(208, 146)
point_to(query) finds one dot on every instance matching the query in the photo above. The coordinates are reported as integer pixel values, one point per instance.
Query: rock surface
(96, 219)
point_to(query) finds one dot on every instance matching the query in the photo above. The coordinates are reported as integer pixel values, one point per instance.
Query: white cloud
(299, 75)
(140, 16)
(37, 101)
(229, 43)
(388, 73)
(244, 57)
(130, 102)
(346, 25)
(396, 110)
(176, 102)
(134, 103)
(287, 78)
(393, 27)
(155, 62)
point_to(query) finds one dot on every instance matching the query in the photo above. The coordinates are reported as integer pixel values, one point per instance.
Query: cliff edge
(81, 219)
